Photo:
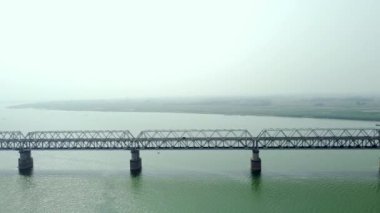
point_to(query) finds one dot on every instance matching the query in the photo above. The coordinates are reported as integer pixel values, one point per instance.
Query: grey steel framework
(318, 138)
(193, 139)
(117, 139)
(11, 140)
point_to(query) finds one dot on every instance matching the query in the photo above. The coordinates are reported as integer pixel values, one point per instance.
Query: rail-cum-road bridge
(191, 139)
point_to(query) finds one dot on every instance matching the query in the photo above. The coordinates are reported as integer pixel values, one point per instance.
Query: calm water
(185, 181)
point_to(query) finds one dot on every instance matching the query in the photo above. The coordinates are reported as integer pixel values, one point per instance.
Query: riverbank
(350, 108)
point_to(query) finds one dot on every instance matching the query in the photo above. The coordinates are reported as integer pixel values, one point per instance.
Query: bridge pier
(255, 162)
(25, 162)
(135, 162)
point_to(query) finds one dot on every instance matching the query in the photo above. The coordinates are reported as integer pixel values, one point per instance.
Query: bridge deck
(193, 139)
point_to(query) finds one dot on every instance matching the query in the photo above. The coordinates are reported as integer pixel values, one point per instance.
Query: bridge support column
(135, 162)
(255, 162)
(25, 162)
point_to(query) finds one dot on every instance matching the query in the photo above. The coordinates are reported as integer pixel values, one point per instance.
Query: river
(185, 181)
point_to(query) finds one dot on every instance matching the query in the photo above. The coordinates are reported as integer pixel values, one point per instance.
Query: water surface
(185, 181)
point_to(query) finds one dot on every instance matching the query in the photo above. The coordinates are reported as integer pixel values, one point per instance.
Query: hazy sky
(109, 49)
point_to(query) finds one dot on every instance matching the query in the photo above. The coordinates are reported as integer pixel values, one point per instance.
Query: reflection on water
(26, 183)
(136, 181)
(378, 182)
(256, 182)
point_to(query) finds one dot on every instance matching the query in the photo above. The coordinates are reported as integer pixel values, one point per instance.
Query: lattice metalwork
(194, 139)
(79, 139)
(10, 140)
(318, 138)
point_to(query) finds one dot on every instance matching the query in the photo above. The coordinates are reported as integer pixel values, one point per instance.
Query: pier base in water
(25, 162)
(256, 163)
(135, 162)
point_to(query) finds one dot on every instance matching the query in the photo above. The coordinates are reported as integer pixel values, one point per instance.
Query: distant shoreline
(199, 113)
(328, 108)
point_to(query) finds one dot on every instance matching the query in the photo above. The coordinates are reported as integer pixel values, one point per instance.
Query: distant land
(352, 108)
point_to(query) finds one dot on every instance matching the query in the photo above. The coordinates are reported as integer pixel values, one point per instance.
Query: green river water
(185, 181)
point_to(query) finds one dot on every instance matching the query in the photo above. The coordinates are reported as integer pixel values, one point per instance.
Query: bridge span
(191, 139)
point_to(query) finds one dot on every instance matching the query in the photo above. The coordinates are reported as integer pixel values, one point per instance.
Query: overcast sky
(113, 49)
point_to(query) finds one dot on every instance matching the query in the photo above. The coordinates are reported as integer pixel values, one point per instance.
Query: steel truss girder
(326, 138)
(192, 139)
(10, 140)
(195, 139)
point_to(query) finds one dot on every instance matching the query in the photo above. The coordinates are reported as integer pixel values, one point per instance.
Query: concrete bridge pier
(135, 162)
(255, 162)
(25, 162)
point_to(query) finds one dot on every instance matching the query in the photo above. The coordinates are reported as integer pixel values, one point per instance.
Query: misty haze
(190, 106)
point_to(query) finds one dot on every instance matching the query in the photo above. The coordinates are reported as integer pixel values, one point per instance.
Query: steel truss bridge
(192, 139)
